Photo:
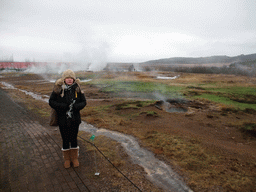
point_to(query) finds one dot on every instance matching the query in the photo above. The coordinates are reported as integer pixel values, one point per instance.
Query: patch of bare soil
(201, 123)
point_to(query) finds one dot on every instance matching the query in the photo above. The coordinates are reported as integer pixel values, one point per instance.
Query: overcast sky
(125, 30)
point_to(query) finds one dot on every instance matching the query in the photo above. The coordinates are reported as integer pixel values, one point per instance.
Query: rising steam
(91, 57)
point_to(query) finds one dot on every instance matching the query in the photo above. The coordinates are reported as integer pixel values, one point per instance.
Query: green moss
(227, 101)
(234, 90)
(134, 86)
(235, 96)
(151, 113)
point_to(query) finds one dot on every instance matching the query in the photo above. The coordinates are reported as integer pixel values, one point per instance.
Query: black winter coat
(61, 104)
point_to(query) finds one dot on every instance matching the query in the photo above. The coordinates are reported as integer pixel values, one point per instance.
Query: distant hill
(202, 60)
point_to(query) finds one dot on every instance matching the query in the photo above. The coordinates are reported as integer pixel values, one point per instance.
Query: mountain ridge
(203, 60)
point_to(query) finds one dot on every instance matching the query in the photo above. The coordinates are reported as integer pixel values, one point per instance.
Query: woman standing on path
(68, 99)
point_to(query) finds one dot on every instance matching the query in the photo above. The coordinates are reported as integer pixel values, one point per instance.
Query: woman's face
(69, 81)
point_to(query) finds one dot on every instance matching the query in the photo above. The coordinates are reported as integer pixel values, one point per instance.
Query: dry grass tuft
(121, 122)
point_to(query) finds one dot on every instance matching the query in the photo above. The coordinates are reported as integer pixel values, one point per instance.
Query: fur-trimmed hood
(60, 85)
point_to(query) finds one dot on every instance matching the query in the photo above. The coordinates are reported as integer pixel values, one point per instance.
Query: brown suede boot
(74, 156)
(66, 155)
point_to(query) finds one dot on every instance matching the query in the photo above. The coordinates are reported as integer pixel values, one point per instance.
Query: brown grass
(198, 162)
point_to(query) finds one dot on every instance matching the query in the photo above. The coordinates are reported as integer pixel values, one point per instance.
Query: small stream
(157, 171)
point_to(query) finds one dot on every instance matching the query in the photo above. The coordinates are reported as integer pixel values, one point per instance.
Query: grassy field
(233, 94)
(212, 145)
(230, 93)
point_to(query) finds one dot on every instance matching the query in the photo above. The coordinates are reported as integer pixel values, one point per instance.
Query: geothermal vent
(173, 105)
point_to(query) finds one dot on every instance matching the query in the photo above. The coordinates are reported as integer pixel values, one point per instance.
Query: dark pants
(69, 134)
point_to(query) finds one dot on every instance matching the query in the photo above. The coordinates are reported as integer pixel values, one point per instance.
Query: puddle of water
(177, 110)
(41, 81)
(7, 86)
(157, 171)
(85, 80)
(169, 105)
(167, 78)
